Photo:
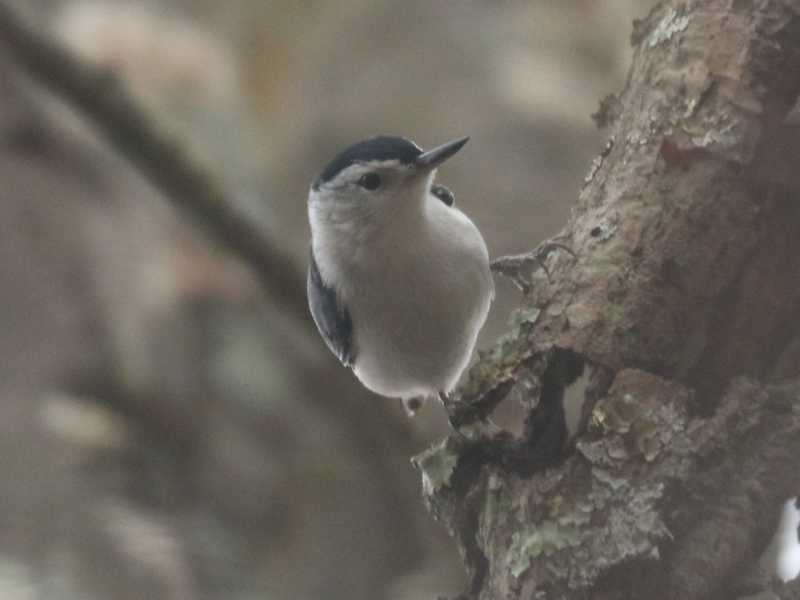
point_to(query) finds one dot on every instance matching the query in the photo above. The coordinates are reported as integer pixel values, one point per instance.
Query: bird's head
(375, 182)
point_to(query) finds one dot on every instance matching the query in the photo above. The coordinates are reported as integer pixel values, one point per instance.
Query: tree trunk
(677, 324)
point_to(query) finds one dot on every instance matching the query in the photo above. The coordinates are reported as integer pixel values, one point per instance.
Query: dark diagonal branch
(101, 98)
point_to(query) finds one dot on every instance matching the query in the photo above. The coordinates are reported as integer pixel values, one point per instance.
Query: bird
(399, 283)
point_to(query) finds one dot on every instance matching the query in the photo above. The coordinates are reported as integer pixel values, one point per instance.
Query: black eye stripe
(370, 181)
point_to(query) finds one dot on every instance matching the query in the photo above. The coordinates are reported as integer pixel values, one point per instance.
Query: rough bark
(677, 316)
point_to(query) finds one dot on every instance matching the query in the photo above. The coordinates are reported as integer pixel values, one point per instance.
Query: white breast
(418, 299)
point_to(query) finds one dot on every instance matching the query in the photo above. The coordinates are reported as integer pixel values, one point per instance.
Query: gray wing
(331, 317)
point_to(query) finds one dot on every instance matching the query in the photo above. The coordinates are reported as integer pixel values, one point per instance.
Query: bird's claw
(411, 406)
(515, 267)
(444, 194)
(482, 428)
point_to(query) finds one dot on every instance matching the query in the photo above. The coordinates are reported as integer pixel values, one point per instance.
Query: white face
(365, 198)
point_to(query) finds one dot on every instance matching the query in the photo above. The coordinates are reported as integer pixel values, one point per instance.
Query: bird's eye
(370, 181)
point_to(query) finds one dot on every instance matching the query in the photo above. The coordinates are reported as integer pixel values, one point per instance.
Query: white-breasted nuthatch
(399, 282)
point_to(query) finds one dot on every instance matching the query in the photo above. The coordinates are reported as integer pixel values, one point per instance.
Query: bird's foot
(412, 406)
(443, 194)
(517, 267)
(480, 428)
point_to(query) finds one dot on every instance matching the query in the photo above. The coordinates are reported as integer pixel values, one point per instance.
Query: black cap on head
(382, 147)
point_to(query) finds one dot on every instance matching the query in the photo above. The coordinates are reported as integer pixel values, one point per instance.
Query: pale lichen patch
(437, 465)
(673, 22)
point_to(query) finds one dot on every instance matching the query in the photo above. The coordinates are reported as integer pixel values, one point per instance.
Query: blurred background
(166, 432)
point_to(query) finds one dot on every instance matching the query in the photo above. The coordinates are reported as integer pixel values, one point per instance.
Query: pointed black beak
(433, 158)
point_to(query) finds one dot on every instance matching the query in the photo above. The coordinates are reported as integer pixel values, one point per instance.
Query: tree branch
(103, 100)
